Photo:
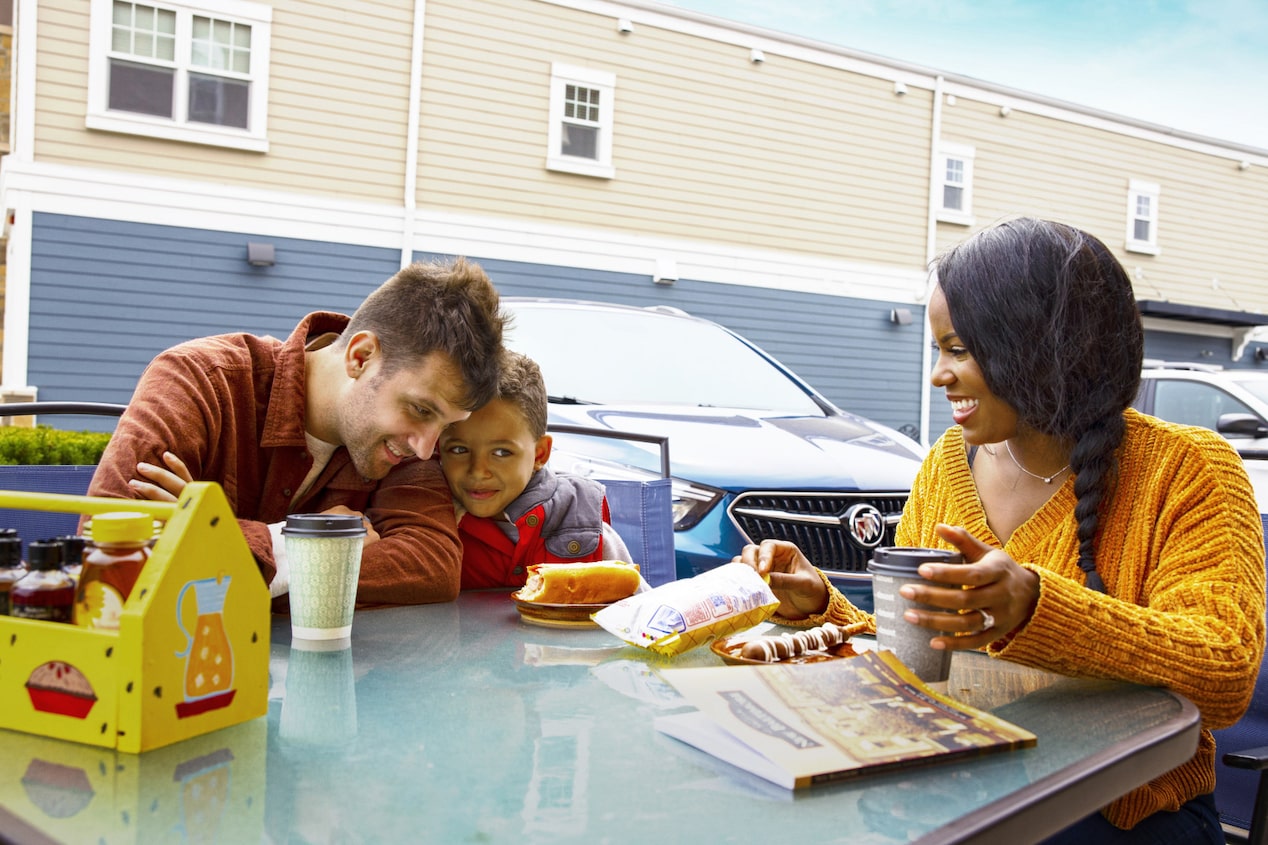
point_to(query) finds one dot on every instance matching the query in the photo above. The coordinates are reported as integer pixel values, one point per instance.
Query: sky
(1197, 66)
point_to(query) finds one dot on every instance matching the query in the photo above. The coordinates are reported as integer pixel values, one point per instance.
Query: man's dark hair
(446, 307)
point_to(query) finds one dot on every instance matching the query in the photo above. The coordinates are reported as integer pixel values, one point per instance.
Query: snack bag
(681, 615)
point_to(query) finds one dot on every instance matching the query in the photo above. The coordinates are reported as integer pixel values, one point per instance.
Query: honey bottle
(11, 567)
(118, 547)
(45, 592)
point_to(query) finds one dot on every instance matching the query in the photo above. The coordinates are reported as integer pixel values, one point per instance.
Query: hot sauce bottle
(46, 592)
(12, 569)
(118, 549)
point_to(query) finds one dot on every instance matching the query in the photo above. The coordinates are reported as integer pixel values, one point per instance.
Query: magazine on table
(802, 724)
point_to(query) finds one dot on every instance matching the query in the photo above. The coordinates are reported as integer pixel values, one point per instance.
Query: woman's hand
(986, 597)
(793, 579)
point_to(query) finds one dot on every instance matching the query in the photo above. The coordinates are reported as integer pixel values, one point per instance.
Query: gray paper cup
(323, 552)
(891, 567)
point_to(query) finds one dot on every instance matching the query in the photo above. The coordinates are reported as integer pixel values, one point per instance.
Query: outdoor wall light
(624, 26)
(1005, 111)
(900, 316)
(756, 56)
(260, 255)
(666, 271)
(900, 88)
(1244, 165)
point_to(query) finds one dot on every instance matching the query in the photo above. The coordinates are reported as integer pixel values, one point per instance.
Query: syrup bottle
(11, 566)
(72, 554)
(118, 549)
(46, 592)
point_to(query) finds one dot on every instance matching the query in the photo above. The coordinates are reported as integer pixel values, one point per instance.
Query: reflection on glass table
(458, 722)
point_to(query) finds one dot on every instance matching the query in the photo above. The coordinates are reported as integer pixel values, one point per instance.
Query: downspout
(16, 202)
(931, 247)
(409, 205)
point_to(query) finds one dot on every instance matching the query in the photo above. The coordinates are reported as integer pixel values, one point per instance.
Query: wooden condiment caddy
(192, 651)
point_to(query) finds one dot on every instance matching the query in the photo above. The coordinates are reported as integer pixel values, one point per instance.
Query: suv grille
(813, 521)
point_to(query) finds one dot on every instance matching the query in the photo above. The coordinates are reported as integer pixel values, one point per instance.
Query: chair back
(642, 513)
(1235, 789)
(43, 525)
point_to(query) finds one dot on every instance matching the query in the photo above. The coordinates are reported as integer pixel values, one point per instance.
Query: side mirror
(1241, 425)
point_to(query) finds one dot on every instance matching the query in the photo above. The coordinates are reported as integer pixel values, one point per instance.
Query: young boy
(512, 510)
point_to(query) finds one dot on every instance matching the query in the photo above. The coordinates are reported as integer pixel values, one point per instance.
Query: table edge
(1057, 800)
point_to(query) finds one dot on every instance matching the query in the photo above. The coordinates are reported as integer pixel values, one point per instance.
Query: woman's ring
(988, 621)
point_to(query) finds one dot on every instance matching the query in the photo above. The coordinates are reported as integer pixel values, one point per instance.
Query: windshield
(636, 357)
(1257, 387)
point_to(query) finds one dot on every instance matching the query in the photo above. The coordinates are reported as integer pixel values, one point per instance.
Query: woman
(1101, 542)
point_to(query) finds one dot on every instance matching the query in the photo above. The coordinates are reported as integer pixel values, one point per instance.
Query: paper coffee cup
(323, 552)
(891, 567)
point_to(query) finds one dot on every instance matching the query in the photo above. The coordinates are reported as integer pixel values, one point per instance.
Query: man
(342, 417)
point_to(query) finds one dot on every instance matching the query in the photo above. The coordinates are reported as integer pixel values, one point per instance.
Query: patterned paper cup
(323, 552)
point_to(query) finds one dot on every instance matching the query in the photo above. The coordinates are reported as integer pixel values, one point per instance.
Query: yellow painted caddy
(192, 651)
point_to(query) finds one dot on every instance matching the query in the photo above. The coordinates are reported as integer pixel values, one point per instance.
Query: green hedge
(47, 445)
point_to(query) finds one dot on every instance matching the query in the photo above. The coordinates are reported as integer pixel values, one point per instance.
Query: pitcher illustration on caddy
(208, 655)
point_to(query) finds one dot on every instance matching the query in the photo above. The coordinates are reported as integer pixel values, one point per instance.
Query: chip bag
(681, 615)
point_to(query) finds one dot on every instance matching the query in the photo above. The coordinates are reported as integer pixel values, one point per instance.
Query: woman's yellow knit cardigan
(1181, 550)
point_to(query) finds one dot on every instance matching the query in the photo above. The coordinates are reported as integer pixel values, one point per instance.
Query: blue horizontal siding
(107, 296)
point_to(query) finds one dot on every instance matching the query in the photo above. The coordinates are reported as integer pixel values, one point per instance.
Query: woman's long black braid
(1049, 316)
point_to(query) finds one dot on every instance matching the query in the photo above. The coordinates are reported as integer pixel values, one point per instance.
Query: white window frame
(99, 116)
(1137, 190)
(963, 153)
(561, 76)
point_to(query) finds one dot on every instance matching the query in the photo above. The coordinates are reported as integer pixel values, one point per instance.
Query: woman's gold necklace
(1046, 479)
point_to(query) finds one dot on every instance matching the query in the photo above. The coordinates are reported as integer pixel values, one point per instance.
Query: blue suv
(754, 452)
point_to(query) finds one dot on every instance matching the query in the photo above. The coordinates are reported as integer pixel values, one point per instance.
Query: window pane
(1194, 403)
(141, 88)
(1142, 206)
(580, 141)
(953, 197)
(955, 171)
(581, 103)
(1140, 230)
(144, 31)
(221, 45)
(223, 102)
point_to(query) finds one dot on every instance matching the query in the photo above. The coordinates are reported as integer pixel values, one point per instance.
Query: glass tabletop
(460, 722)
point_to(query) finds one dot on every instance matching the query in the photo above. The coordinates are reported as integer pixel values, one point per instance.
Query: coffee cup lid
(905, 559)
(324, 524)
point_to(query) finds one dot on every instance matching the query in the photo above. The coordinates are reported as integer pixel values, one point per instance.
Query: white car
(1231, 402)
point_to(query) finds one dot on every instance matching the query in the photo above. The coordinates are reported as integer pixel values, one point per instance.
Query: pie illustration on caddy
(58, 687)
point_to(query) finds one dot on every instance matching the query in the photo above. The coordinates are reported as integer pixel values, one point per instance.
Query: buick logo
(865, 526)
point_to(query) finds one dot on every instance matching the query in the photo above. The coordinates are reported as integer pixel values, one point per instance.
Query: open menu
(797, 725)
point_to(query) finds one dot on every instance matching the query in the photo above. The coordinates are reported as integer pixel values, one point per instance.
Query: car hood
(743, 449)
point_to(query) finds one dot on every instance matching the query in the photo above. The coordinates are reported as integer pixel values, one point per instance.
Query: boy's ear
(541, 453)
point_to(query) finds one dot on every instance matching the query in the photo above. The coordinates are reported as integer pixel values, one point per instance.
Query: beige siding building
(602, 145)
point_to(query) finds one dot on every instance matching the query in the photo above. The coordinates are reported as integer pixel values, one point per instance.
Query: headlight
(690, 501)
